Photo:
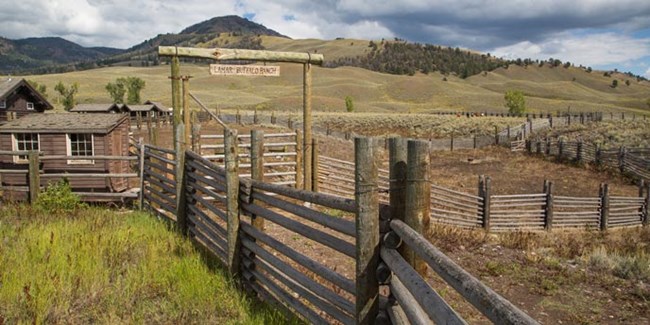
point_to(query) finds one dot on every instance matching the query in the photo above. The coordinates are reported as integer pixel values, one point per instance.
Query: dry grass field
(547, 89)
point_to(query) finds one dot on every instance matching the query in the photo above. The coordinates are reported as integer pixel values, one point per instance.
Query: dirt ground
(557, 291)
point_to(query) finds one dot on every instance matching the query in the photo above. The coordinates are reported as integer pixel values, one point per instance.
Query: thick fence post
(548, 189)
(451, 144)
(646, 214)
(496, 135)
(141, 147)
(34, 176)
(604, 206)
(418, 196)
(599, 155)
(232, 199)
(560, 150)
(486, 192)
(314, 164)
(579, 152)
(153, 136)
(257, 168)
(299, 174)
(621, 159)
(196, 134)
(181, 199)
(367, 230)
(397, 159)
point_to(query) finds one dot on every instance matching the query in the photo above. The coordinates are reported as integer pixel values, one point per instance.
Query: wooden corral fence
(252, 227)
(634, 162)
(279, 153)
(516, 212)
(24, 181)
(511, 136)
(158, 182)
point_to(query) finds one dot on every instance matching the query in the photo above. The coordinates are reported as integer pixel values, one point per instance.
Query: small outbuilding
(18, 98)
(149, 108)
(77, 138)
(97, 108)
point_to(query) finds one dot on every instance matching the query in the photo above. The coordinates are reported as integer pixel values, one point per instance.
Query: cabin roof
(64, 123)
(159, 106)
(94, 107)
(7, 86)
(139, 108)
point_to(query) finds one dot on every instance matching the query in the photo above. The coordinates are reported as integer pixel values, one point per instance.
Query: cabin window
(3, 104)
(25, 142)
(30, 106)
(80, 145)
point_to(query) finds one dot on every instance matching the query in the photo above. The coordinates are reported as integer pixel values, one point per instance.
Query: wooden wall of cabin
(56, 145)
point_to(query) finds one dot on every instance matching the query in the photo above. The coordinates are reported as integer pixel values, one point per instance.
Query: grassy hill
(547, 89)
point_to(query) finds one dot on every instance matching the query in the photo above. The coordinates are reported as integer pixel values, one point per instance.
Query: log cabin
(19, 98)
(79, 137)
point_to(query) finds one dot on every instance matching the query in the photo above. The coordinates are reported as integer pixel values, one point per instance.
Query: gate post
(367, 230)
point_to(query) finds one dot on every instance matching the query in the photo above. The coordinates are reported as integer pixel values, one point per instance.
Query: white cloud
(591, 50)
(647, 73)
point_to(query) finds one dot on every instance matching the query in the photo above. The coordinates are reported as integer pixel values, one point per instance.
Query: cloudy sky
(604, 34)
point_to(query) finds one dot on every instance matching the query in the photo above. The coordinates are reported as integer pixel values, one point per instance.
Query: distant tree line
(405, 58)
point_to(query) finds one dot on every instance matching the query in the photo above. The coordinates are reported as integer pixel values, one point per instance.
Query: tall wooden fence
(515, 212)
(634, 162)
(270, 235)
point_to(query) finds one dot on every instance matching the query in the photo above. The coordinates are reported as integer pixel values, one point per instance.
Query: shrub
(57, 197)
(515, 102)
(349, 104)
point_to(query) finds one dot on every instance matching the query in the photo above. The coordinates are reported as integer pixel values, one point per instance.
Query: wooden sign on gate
(245, 70)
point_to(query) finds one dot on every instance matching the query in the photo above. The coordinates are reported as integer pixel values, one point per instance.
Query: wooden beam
(239, 54)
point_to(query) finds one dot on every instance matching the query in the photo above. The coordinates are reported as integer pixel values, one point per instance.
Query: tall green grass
(93, 265)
